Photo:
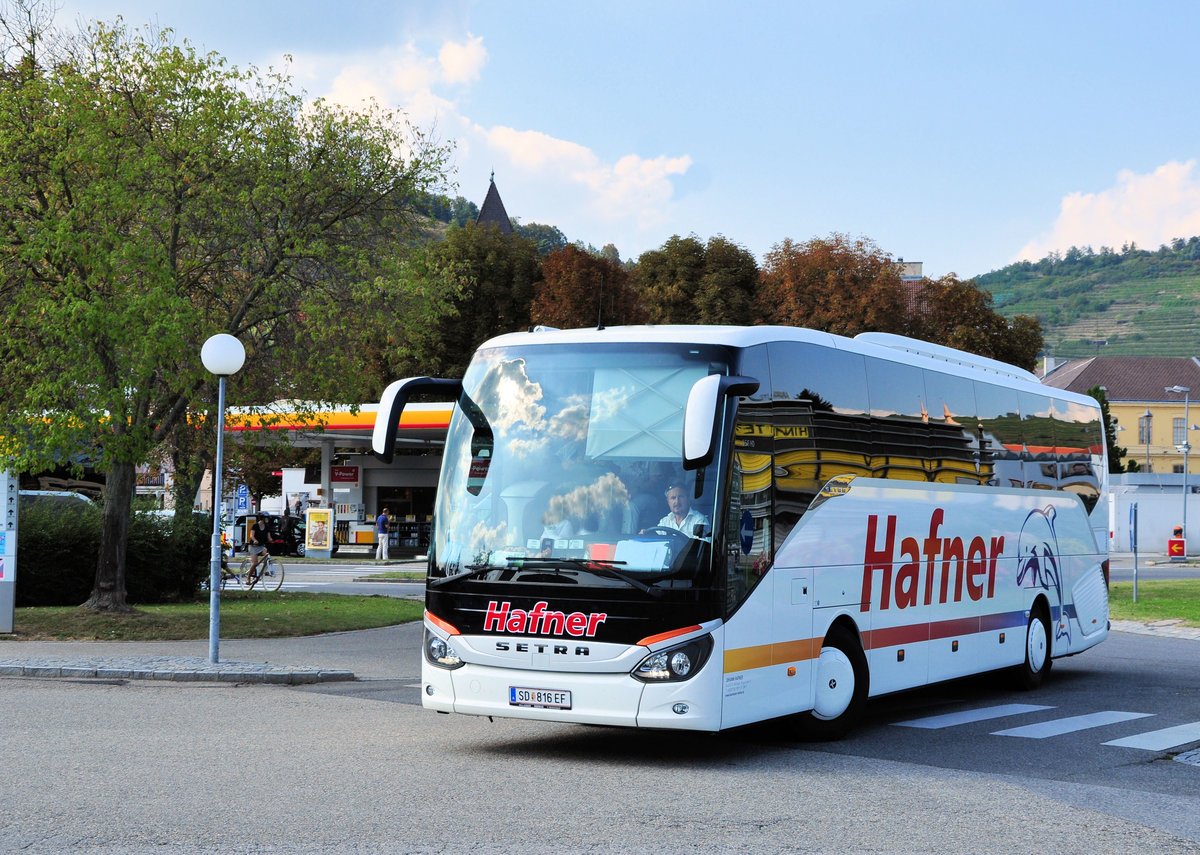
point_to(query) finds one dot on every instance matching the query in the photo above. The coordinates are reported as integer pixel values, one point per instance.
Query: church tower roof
(492, 212)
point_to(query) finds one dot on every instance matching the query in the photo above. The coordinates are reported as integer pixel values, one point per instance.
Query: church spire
(491, 212)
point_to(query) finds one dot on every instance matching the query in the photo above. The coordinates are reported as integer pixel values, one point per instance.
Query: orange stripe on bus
(663, 636)
(764, 655)
(441, 624)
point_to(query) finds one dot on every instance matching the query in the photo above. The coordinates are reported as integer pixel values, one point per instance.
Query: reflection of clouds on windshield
(524, 448)
(571, 422)
(484, 538)
(510, 397)
(607, 403)
(602, 495)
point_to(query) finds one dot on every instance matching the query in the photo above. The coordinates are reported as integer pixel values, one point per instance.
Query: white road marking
(934, 722)
(1161, 740)
(1059, 726)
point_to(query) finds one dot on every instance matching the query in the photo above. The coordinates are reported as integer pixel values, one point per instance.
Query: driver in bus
(682, 516)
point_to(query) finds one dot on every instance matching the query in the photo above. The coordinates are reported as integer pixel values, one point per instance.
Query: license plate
(559, 699)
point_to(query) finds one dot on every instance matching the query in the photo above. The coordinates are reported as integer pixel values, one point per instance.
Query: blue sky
(964, 135)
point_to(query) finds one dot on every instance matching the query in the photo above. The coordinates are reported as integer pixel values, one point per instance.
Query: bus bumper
(607, 699)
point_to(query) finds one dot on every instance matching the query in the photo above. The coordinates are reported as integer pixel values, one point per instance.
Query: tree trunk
(108, 594)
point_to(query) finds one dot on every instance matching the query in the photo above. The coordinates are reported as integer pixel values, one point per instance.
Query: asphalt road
(141, 767)
(350, 577)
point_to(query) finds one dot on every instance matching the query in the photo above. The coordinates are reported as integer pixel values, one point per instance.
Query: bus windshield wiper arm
(471, 571)
(598, 566)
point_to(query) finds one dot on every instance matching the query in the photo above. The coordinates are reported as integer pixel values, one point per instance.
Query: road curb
(188, 669)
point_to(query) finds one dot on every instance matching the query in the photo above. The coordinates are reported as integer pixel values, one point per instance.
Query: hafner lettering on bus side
(922, 569)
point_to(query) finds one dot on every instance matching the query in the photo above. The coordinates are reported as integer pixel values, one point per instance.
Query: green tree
(499, 272)
(957, 313)
(1115, 452)
(152, 196)
(728, 286)
(548, 238)
(667, 278)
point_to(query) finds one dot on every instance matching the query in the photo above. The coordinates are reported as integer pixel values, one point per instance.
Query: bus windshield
(562, 466)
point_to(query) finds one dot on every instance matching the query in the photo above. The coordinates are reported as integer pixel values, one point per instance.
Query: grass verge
(1158, 599)
(243, 615)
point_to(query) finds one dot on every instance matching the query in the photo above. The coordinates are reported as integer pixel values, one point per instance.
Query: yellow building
(1149, 401)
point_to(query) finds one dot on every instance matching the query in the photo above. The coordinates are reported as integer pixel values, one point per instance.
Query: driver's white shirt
(688, 524)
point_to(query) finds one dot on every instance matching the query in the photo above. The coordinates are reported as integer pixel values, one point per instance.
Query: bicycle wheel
(245, 578)
(270, 575)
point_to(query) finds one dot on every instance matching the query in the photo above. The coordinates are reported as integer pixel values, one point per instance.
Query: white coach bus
(703, 527)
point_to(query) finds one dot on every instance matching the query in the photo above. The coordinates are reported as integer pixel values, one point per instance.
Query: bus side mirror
(705, 403)
(391, 406)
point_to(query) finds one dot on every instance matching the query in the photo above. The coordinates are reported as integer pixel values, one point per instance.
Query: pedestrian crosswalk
(1159, 739)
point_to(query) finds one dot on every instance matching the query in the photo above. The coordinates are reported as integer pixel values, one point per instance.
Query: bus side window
(748, 529)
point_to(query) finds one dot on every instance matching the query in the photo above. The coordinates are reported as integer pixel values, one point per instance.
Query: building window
(1177, 468)
(1144, 430)
(1179, 432)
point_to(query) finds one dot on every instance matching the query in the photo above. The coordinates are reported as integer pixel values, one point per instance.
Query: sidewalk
(368, 654)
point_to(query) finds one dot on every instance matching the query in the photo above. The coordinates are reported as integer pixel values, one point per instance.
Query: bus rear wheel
(842, 681)
(1032, 671)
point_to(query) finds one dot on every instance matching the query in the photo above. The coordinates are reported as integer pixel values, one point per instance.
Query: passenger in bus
(682, 516)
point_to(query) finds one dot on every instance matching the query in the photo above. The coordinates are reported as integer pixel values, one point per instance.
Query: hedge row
(58, 547)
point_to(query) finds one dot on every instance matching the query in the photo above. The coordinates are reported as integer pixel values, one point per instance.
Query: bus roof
(895, 348)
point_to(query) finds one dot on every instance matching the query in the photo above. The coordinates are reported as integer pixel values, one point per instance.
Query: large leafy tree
(667, 278)
(151, 196)
(837, 284)
(499, 272)
(580, 289)
(959, 314)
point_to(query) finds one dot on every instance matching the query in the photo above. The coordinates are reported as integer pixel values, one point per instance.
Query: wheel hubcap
(835, 684)
(1036, 645)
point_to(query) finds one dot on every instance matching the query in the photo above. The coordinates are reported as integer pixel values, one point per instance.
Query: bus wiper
(471, 571)
(599, 566)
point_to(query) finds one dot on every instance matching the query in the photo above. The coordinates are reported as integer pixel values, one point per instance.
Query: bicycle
(268, 576)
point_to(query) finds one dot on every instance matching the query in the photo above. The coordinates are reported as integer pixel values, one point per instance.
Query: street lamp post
(1187, 446)
(222, 355)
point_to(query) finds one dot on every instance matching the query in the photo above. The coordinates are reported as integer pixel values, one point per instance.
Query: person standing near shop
(381, 535)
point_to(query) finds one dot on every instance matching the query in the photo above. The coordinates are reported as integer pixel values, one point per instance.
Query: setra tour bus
(702, 527)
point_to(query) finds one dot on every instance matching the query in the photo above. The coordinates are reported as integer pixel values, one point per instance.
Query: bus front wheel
(841, 687)
(1032, 671)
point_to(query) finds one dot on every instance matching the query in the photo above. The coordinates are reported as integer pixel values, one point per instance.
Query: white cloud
(462, 62)
(557, 180)
(1148, 209)
(633, 187)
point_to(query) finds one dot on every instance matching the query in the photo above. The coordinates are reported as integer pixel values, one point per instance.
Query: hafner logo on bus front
(933, 559)
(540, 620)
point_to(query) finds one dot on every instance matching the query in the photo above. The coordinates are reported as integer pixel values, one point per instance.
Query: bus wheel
(1037, 662)
(841, 687)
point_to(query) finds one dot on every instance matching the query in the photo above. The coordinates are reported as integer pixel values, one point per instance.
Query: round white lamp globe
(223, 355)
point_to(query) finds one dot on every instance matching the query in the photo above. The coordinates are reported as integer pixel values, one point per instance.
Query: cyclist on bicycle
(257, 538)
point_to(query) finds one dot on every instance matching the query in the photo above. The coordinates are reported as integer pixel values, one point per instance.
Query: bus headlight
(675, 663)
(439, 652)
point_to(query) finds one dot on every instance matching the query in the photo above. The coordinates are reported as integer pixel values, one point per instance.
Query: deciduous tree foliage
(151, 196)
(959, 314)
(1116, 453)
(667, 279)
(499, 272)
(689, 282)
(838, 284)
(580, 289)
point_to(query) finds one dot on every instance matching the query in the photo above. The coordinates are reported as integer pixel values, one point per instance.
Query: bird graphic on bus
(1037, 562)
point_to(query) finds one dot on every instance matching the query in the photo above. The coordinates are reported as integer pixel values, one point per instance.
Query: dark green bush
(57, 546)
(59, 543)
